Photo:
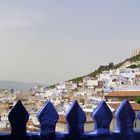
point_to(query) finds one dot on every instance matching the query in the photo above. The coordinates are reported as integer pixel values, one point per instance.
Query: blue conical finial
(75, 119)
(125, 117)
(102, 117)
(18, 118)
(48, 118)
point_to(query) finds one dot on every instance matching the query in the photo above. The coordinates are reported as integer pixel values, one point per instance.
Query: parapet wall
(76, 118)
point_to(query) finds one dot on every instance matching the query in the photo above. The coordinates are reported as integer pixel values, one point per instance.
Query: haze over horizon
(51, 41)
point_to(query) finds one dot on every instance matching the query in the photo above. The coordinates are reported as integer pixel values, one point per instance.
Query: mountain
(17, 85)
(110, 66)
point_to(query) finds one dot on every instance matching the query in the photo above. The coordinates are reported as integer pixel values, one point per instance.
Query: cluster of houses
(112, 86)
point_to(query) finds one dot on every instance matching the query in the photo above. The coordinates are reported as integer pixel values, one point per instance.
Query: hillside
(108, 67)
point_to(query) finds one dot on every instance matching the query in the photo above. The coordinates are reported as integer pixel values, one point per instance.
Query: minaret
(135, 51)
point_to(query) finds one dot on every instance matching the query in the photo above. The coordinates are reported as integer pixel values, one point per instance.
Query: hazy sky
(54, 40)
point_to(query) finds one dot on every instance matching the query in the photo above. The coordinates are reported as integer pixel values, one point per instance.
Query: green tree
(137, 99)
(111, 65)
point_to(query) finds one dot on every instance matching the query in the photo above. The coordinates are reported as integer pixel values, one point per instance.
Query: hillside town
(112, 85)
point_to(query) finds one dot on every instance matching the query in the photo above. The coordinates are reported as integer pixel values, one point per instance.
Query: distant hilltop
(132, 62)
(135, 52)
(17, 85)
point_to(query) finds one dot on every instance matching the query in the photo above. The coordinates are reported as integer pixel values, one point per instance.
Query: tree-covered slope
(108, 67)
